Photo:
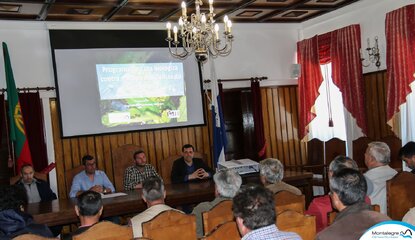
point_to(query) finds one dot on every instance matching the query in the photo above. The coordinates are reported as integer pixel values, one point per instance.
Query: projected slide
(141, 93)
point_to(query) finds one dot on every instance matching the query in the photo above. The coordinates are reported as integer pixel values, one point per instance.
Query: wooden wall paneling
(166, 146)
(172, 142)
(76, 155)
(151, 147)
(288, 118)
(129, 138)
(380, 81)
(368, 104)
(271, 119)
(178, 141)
(185, 135)
(90, 144)
(143, 142)
(159, 145)
(99, 150)
(198, 138)
(266, 121)
(136, 138)
(297, 143)
(192, 138)
(83, 150)
(282, 127)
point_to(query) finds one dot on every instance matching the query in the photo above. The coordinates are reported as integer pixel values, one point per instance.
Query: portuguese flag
(17, 129)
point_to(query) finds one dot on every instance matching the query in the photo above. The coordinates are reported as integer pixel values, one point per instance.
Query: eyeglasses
(90, 164)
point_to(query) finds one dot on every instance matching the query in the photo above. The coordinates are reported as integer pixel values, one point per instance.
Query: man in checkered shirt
(135, 175)
(254, 211)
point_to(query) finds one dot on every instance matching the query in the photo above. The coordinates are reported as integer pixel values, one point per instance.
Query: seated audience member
(153, 195)
(407, 154)
(271, 172)
(89, 209)
(347, 191)
(37, 190)
(321, 206)
(188, 168)
(13, 220)
(140, 171)
(90, 179)
(227, 183)
(409, 216)
(377, 159)
(254, 210)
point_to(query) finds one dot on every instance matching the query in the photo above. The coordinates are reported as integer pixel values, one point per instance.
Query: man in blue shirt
(90, 179)
(254, 211)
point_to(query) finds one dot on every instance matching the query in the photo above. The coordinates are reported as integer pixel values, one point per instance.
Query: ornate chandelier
(199, 34)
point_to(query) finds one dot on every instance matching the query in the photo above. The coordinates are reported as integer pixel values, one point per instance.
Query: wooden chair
(292, 221)
(285, 200)
(122, 158)
(70, 174)
(395, 145)
(227, 230)
(31, 237)
(38, 175)
(170, 225)
(166, 165)
(400, 194)
(331, 216)
(316, 164)
(106, 231)
(221, 213)
(359, 149)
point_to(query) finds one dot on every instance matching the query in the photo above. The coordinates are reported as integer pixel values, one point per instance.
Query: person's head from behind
(341, 162)
(140, 158)
(90, 164)
(227, 183)
(377, 154)
(253, 208)
(188, 152)
(271, 171)
(89, 205)
(12, 198)
(153, 191)
(347, 187)
(407, 154)
(27, 172)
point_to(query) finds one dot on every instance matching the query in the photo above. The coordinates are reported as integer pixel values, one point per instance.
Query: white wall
(370, 14)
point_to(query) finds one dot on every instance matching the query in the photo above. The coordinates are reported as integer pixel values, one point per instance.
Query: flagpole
(11, 159)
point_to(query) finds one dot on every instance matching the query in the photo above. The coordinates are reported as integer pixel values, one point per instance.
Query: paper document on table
(111, 195)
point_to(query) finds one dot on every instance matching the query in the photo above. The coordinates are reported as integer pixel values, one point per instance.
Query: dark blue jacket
(178, 171)
(14, 223)
(46, 194)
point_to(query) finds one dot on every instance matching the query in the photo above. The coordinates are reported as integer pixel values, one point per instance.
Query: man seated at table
(90, 179)
(37, 190)
(271, 172)
(153, 195)
(407, 154)
(188, 168)
(254, 211)
(347, 191)
(89, 209)
(227, 184)
(13, 220)
(140, 171)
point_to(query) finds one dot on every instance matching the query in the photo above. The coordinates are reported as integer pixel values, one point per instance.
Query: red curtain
(400, 52)
(32, 110)
(258, 120)
(309, 81)
(347, 71)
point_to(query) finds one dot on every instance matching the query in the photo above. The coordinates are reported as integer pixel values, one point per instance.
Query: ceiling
(253, 11)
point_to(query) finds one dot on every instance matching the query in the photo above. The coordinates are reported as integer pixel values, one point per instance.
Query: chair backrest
(285, 200)
(332, 215)
(167, 163)
(106, 231)
(122, 157)
(227, 230)
(395, 145)
(221, 213)
(400, 194)
(70, 174)
(30, 236)
(38, 175)
(359, 149)
(292, 221)
(170, 225)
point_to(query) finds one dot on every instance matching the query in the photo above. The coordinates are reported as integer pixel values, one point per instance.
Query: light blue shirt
(81, 182)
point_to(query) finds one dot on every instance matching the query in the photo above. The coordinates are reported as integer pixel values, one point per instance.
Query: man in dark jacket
(188, 168)
(347, 191)
(13, 221)
(37, 190)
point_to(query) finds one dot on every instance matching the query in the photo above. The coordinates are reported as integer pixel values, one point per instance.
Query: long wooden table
(61, 211)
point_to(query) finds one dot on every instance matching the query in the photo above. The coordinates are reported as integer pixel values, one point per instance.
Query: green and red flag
(17, 129)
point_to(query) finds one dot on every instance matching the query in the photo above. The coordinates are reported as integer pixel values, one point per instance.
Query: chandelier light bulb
(184, 11)
(203, 19)
(168, 26)
(175, 33)
(180, 21)
(229, 26)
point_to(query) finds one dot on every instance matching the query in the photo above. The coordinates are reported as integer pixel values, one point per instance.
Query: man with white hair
(377, 159)
(227, 184)
(271, 172)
